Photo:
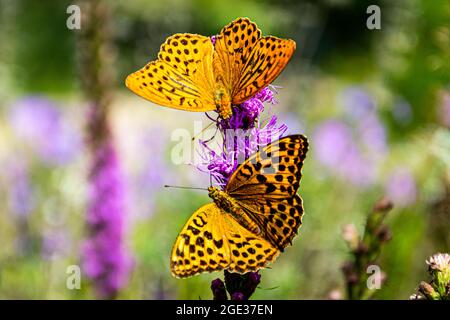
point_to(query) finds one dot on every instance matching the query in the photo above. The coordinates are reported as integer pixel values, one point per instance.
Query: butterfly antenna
(201, 132)
(213, 136)
(181, 187)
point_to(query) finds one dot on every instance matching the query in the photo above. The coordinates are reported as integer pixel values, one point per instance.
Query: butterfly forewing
(268, 59)
(233, 47)
(211, 240)
(181, 78)
(266, 185)
(248, 63)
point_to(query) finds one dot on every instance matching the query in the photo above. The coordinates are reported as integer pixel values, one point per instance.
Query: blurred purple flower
(105, 258)
(152, 175)
(401, 187)
(213, 40)
(40, 124)
(357, 102)
(372, 135)
(55, 243)
(402, 111)
(21, 199)
(444, 110)
(353, 150)
(243, 134)
(336, 149)
(292, 122)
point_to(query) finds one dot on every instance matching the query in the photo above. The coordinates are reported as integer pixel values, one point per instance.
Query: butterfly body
(192, 74)
(250, 221)
(223, 102)
(231, 206)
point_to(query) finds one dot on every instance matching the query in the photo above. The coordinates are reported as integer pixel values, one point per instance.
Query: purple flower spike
(245, 114)
(105, 259)
(243, 134)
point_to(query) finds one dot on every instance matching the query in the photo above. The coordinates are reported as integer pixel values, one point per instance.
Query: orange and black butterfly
(192, 74)
(252, 220)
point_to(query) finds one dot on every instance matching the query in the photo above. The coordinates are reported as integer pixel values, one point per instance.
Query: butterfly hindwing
(211, 240)
(181, 78)
(266, 185)
(281, 218)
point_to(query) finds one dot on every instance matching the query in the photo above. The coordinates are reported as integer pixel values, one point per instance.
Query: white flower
(439, 262)
(415, 296)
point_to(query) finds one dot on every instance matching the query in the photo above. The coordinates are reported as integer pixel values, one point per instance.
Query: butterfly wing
(212, 240)
(181, 78)
(266, 185)
(248, 62)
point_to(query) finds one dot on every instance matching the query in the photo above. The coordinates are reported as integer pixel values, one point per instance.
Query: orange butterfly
(192, 74)
(252, 220)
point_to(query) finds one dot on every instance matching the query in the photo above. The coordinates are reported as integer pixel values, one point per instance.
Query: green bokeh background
(407, 60)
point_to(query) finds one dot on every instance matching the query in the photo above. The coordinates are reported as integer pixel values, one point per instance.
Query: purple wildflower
(213, 40)
(40, 124)
(105, 258)
(245, 115)
(401, 187)
(243, 134)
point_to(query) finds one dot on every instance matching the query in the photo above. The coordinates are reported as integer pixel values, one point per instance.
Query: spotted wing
(266, 185)
(248, 62)
(212, 240)
(181, 78)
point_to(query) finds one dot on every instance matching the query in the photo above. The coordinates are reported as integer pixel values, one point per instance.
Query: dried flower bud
(238, 296)
(361, 249)
(428, 291)
(218, 290)
(350, 235)
(383, 205)
(384, 233)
